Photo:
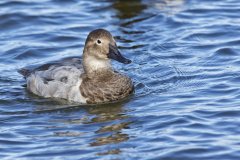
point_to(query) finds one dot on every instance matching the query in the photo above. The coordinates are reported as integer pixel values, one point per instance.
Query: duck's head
(100, 47)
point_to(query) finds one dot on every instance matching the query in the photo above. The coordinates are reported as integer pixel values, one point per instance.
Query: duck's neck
(94, 66)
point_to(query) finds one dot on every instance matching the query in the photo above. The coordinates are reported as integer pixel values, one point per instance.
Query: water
(185, 69)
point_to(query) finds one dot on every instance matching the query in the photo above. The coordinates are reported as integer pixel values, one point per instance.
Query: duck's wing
(59, 81)
(70, 61)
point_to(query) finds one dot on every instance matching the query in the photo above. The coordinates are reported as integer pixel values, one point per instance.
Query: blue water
(186, 71)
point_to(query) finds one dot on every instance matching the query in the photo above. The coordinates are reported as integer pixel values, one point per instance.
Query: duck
(88, 80)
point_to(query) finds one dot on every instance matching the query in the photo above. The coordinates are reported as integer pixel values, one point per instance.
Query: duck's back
(58, 80)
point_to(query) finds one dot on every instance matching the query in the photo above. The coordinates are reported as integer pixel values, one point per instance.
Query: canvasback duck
(91, 80)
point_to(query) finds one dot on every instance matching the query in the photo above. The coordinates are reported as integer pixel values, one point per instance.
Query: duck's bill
(116, 55)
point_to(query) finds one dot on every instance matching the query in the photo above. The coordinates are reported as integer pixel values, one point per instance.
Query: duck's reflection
(115, 120)
(112, 119)
(100, 125)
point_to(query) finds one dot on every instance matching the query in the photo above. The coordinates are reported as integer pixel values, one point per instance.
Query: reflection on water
(108, 122)
(110, 133)
(114, 151)
(126, 10)
(169, 7)
(114, 138)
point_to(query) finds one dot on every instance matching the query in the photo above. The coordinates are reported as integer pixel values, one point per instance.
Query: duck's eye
(99, 41)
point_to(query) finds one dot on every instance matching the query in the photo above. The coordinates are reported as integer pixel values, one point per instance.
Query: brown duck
(92, 81)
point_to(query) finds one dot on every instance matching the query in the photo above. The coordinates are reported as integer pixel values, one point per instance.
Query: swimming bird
(91, 80)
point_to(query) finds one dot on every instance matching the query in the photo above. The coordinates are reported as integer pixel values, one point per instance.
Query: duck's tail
(25, 72)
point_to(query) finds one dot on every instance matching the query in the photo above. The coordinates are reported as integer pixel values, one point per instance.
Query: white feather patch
(49, 83)
(96, 64)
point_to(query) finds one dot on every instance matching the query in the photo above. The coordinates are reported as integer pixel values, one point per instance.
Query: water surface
(185, 69)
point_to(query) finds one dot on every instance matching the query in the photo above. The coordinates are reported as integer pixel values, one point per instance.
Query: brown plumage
(99, 82)
(106, 86)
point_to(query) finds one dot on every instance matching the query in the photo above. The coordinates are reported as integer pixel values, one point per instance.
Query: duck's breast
(106, 89)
